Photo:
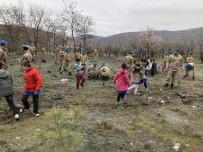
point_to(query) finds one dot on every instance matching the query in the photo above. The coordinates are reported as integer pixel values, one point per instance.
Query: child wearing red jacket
(32, 86)
(121, 79)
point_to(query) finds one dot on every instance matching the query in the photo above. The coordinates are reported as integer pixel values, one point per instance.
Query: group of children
(135, 75)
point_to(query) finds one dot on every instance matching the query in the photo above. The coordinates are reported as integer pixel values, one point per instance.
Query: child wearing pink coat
(122, 81)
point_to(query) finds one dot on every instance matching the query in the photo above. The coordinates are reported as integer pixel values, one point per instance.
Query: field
(141, 125)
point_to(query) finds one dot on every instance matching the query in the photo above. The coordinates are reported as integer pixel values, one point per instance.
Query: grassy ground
(141, 125)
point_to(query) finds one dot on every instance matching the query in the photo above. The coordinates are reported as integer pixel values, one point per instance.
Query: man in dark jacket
(6, 90)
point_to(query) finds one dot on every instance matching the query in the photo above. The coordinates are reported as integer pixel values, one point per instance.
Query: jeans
(35, 102)
(78, 79)
(120, 96)
(11, 104)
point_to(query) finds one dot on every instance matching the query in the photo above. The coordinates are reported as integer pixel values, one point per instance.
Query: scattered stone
(162, 101)
(194, 107)
(57, 97)
(150, 99)
(17, 138)
(63, 81)
(182, 96)
(176, 147)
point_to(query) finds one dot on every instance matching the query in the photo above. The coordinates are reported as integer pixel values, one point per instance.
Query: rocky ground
(144, 124)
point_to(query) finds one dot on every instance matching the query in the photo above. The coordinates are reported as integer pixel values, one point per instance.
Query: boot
(70, 73)
(60, 72)
(172, 85)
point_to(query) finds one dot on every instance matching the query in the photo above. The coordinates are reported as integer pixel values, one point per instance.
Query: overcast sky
(118, 16)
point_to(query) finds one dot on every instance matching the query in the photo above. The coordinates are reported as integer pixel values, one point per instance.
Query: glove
(37, 92)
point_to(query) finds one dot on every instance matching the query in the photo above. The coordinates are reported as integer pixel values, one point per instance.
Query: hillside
(171, 35)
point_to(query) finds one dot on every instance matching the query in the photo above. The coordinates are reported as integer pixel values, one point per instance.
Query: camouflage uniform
(129, 60)
(173, 65)
(43, 53)
(3, 59)
(92, 72)
(84, 59)
(104, 71)
(189, 67)
(56, 53)
(95, 55)
(66, 63)
(26, 56)
(165, 60)
(6, 52)
(189, 59)
(61, 56)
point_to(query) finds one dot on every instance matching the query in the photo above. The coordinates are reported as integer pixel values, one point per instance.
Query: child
(142, 76)
(79, 74)
(134, 76)
(6, 90)
(121, 79)
(32, 86)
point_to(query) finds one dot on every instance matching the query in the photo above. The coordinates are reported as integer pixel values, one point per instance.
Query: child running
(121, 79)
(79, 71)
(134, 76)
(32, 86)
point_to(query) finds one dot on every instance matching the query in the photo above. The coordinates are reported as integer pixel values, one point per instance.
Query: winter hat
(25, 46)
(94, 62)
(3, 42)
(177, 49)
(67, 50)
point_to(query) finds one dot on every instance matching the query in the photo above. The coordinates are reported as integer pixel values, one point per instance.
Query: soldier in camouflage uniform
(66, 62)
(189, 59)
(26, 56)
(173, 65)
(83, 59)
(3, 56)
(95, 55)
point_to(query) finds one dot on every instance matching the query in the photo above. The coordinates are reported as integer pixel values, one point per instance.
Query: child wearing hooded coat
(6, 89)
(122, 80)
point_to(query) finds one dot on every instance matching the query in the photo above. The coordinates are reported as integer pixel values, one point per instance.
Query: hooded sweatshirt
(6, 84)
(121, 79)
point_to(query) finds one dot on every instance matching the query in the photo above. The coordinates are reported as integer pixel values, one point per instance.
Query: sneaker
(121, 101)
(135, 94)
(128, 92)
(23, 110)
(16, 117)
(36, 114)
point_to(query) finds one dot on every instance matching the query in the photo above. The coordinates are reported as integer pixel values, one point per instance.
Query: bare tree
(70, 15)
(117, 46)
(8, 19)
(188, 45)
(85, 29)
(37, 19)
